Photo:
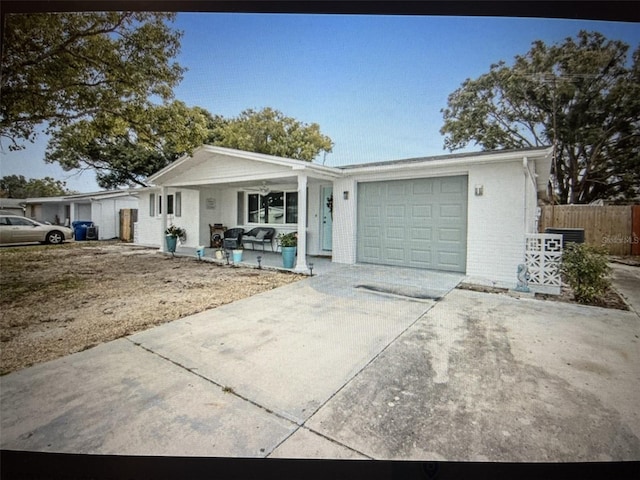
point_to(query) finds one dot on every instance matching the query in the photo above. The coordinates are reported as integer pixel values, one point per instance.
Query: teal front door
(326, 227)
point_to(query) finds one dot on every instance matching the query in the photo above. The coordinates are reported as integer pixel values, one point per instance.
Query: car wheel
(55, 237)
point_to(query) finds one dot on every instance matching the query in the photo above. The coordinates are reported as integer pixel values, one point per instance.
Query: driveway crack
(225, 388)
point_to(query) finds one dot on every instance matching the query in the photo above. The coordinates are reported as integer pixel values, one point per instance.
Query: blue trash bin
(80, 229)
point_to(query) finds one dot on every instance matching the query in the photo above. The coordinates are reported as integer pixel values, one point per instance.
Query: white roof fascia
(317, 170)
(86, 196)
(434, 162)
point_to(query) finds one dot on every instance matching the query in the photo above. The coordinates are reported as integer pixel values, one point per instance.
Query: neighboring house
(101, 208)
(15, 206)
(464, 213)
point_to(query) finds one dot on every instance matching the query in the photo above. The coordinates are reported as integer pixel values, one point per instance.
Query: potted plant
(289, 244)
(172, 233)
(237, 254)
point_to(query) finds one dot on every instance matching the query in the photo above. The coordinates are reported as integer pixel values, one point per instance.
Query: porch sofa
(261, 236)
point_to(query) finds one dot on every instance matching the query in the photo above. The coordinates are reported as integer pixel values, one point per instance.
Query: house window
(274, 208)
(172, 202)
(178, 204)
(152, 205)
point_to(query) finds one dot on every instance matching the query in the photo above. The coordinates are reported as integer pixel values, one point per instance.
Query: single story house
(465, 213)
(102, 208)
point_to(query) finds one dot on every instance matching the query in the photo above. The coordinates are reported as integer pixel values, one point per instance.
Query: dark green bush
(584, 268)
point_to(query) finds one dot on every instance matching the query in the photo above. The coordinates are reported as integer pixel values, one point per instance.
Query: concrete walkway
(626, 280)
(343, 365)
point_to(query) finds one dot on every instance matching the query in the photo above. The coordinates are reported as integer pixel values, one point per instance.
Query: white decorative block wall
(543, 253)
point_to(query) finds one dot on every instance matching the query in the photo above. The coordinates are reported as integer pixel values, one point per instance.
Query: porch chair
(260, 235)
(233, 238)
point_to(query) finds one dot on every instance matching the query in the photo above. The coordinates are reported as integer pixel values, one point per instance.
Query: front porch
(235, 189)
(317, 265)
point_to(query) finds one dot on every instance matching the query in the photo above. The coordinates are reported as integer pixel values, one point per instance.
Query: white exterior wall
(531, 199)
(105, 213)
(344, 220)
(146, 227)
(149, 229)
(210, 208)
(496, 222)
(314, 218)
(190, 216)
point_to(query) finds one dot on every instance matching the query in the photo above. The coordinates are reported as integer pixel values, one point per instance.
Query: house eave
(85, 196)
(162, 178)
(448, 161)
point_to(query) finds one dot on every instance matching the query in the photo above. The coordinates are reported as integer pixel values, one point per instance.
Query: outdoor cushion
(261, 235)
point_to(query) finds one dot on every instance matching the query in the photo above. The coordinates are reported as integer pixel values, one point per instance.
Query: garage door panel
(395, 254)
(373, 213)
(450, 235)
(421, 211)
(395, 234)
(451, 211)
(370, 252)
(422, 188)
(372, 232)
(421, 258)
(395, 214)
(454, 185)
(419, 223)
(420, 234)
(396, 189)
(448, 260)
(374, 189)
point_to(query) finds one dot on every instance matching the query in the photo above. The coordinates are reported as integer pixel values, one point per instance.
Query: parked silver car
(16, 229)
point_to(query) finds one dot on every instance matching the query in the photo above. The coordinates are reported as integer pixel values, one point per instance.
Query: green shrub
(584, 268)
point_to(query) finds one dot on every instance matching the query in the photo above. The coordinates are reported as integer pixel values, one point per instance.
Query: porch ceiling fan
(262, 189)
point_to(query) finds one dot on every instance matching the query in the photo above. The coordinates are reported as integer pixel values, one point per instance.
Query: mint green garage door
(415, 223)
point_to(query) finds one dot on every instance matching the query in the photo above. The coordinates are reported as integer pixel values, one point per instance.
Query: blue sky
(374, 84)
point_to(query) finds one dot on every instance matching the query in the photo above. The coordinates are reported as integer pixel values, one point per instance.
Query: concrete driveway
(344, 365)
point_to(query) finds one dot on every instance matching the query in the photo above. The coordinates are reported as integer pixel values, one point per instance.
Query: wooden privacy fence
(615, 227)
(128, 216)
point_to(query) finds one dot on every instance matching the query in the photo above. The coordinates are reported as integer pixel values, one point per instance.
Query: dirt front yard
(57, 300)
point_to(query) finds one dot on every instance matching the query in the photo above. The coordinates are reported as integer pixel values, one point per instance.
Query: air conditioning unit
(92, 233)
(575, 235)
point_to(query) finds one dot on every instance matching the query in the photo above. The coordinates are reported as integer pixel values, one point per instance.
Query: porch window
(274, 208)
(178, 204)
(174, 204)
(152, 205)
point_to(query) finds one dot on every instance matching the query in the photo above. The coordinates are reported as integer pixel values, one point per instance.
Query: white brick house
(464, 212)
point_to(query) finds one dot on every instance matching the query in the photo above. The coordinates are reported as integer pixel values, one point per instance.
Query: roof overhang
(86, 197)
(456, 160)
(205, 153)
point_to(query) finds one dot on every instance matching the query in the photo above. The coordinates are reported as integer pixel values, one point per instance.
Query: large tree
(271, 132)
(124, 150)
(58, 68)
(16, 186)
(581, 96)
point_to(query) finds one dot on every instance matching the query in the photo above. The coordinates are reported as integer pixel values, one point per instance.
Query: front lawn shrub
(584, 268)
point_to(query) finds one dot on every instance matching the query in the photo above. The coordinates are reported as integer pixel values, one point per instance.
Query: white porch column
(163, 223)
(72, 214)
(301, 263)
